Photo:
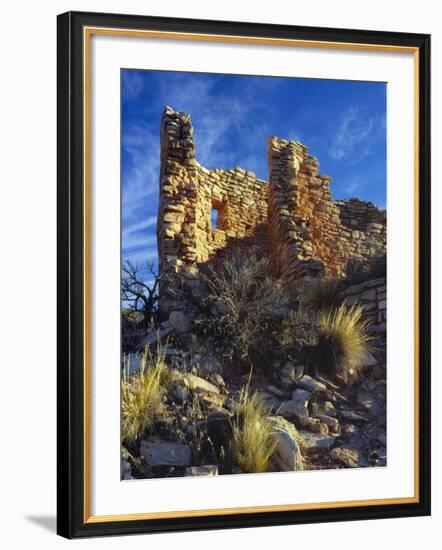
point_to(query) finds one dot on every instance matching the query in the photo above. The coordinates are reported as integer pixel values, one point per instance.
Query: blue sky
(342, 123)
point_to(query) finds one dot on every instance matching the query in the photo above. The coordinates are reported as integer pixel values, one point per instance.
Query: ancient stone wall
(191, 196)
(372, 294)
(309, 233)
(292, 219)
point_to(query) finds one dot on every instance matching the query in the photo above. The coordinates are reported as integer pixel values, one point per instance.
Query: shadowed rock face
(205, 215)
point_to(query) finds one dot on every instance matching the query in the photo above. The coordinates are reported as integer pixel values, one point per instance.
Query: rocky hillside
(251, 377)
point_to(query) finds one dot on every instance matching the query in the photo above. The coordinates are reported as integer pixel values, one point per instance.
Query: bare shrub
(139, 291)
(240, 310)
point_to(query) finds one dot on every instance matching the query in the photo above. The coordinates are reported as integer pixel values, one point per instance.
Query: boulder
(287, 455)
(163, 453)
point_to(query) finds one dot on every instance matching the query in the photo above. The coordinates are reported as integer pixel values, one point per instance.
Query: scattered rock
(297, 407)
(310, 384)
(287, 454)
(352, 416)
(310, 442)
(199, 385)
(349, 429)
(162, 453)
(200, 471)
(326, 408)
(291, 372)
(346, 456)
(366, 400)
(154, 336)
(276, 391)
(330, 421)
(270, 401)
(286, 382)
(318, 427)
(218, 380)
(327, 383)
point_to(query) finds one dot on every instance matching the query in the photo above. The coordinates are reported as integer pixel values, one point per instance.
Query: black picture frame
(72, 520)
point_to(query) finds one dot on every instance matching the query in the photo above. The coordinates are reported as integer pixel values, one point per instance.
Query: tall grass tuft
(142, 395)
(343, 338)
(253, 441)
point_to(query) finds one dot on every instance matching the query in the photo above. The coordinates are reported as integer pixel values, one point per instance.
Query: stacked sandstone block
(372, 295)
(310, 234)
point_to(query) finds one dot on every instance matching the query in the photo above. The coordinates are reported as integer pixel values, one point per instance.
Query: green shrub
(253, 440)
(343, 338)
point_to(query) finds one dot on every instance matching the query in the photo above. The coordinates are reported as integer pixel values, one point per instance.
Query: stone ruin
(292, 219)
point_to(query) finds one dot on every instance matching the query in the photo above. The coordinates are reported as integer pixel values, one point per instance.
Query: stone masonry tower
(205, 215)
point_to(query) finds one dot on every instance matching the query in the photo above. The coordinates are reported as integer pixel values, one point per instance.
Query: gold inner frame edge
(87, 34)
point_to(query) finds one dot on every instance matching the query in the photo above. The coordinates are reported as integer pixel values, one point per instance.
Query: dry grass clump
(343, 338)
(142, 395)
(322, 294)
(253, 441)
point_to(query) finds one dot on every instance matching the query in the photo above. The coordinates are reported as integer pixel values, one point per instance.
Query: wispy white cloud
(138, 241)
(217, 117)
(354, 134)
(141, 180)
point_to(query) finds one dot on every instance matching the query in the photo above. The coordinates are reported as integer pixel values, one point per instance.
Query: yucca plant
(343, 338)
(142, 395)
(253, 441)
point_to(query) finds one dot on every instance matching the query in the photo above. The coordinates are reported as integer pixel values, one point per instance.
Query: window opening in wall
(214, 218)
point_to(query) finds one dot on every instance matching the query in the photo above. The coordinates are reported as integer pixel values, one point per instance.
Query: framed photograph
(243, 274)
